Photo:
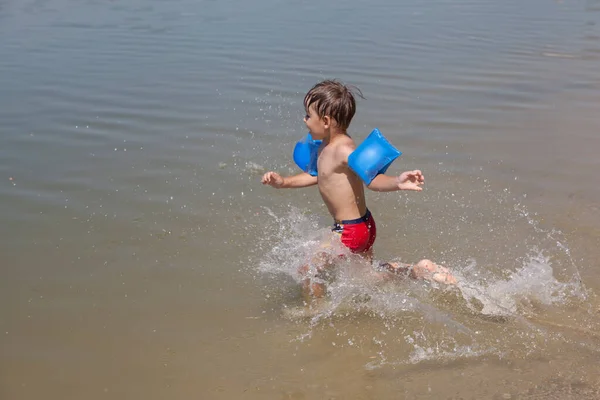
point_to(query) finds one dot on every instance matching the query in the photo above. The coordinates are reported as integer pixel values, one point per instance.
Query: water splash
(532, 283)
(492, 310)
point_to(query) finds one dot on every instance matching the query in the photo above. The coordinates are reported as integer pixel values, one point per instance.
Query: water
(141, 257)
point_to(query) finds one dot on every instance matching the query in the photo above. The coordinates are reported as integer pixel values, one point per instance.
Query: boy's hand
(411, 180)
(272, 179)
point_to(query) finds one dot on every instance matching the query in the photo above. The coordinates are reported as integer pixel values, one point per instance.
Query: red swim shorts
(357, 234)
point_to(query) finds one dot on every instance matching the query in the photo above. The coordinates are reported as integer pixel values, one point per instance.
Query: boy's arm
(300, 180)
(409, 180)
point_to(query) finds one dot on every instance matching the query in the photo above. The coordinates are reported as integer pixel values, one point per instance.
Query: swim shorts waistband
(357, 234)
(360, 220)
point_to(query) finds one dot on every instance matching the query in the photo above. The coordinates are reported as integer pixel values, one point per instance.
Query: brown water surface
(141, 257)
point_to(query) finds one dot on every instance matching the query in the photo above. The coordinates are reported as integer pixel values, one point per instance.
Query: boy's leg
(424, 269)
(310, 288)
(313, 285)
(322, 264)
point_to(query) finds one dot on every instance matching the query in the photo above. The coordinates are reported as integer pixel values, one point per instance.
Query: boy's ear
(327, 121)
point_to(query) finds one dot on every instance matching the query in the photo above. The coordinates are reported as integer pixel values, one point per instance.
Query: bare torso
(341, 189)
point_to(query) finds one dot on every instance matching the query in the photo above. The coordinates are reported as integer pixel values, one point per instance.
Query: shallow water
(141, 257)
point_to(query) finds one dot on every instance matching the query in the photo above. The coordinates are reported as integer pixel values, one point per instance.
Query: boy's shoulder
(343, 147)
(347, 143)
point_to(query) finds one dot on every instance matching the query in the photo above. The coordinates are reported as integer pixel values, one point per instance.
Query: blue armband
(372, 157)
(306, 153)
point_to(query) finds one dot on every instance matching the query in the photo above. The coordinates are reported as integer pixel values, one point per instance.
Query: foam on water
(489, 311)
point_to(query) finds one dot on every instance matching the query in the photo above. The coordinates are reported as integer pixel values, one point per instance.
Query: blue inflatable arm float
(306, 153)
(372, 157)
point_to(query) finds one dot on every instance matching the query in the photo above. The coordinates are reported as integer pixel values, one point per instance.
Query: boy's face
(316, 126)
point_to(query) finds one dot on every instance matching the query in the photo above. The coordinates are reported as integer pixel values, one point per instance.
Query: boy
(330, 107)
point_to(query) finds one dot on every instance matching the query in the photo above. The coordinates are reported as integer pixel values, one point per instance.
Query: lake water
(142, 258)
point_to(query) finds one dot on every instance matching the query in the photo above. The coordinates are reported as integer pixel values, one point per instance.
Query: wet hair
(334, 99)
